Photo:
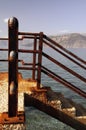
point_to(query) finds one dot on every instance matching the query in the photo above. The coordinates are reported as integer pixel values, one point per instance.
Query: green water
(37, 120)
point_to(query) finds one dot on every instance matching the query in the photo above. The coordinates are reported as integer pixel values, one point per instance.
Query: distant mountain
(73, 40)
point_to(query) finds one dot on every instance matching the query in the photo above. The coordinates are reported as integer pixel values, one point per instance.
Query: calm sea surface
(36, 120)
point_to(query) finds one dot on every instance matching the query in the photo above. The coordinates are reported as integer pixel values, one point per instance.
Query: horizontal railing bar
(3, 38)
(21, 38)
(28, 37)
(27, 63)
(3, 49)
(18, 61)
(63, 81)
(64, 49)
(8, 60)
(22, 62)
(28, 51)
(64, 54)
(64, 67)
(28, 33)
(27, 68)
(23, 51)
(2, 60)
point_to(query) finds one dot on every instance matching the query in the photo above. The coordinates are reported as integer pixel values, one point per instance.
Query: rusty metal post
(13, 67)
(34, 58)
(39, 59)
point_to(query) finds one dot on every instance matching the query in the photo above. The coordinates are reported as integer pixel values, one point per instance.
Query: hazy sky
(49, 16)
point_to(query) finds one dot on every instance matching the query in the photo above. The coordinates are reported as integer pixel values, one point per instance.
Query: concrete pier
(44, 99)
(4, 106)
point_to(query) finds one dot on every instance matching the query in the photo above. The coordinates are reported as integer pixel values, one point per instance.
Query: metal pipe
(28, 51)
(64, 67)
(65, 55)
(34, 58)
(27, 68)
(3, 49)
(39, 59)
(63, 81)
(28, 33)
(65, 50)
(13, 67)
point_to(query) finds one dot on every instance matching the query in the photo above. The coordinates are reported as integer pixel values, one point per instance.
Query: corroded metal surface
(4, 118)
(43, 98)
(13, 66)
(52, 103)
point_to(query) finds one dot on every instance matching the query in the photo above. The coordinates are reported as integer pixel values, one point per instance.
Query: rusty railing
(39, 40)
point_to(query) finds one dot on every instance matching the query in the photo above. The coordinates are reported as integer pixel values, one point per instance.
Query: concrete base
(12, 127)
(4, 105)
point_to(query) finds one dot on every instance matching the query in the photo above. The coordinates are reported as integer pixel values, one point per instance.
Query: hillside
(73, 40)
